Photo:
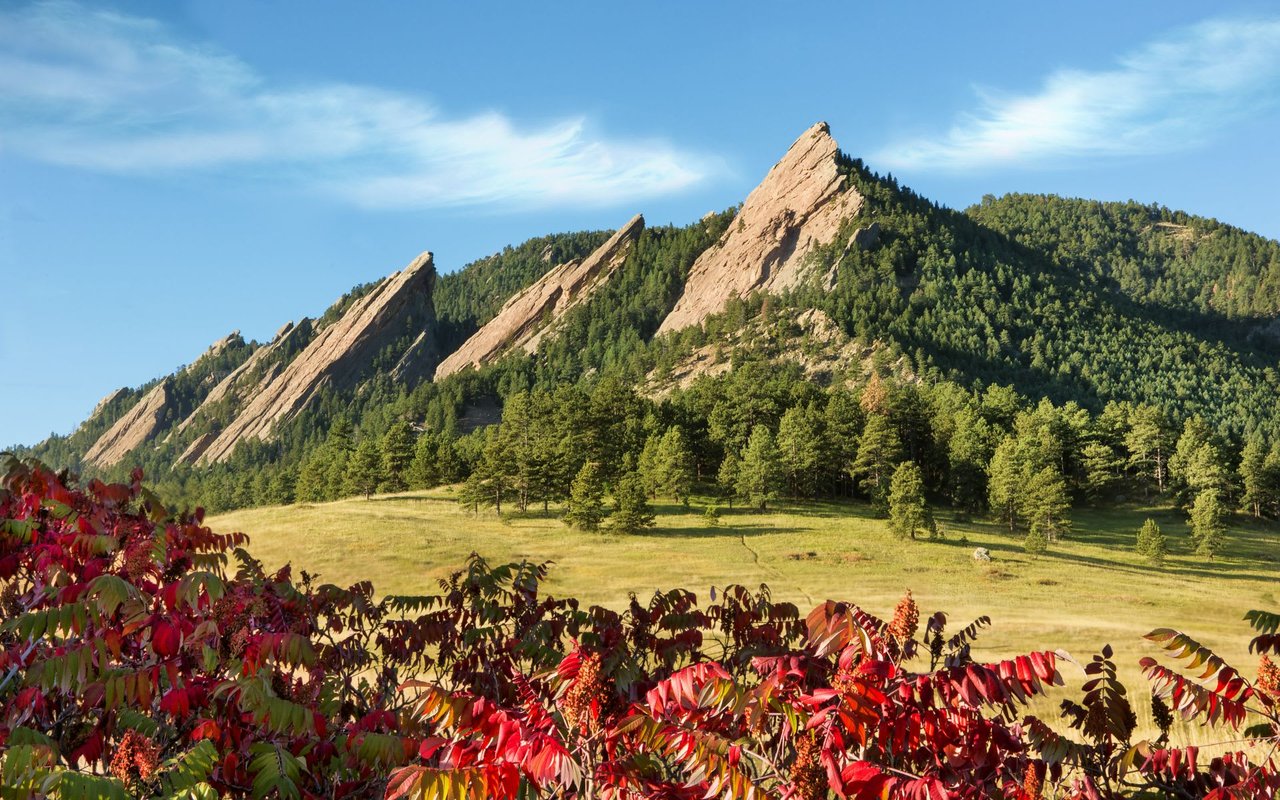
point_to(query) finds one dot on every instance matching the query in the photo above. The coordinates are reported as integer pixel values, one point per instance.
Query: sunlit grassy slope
(1086, 592)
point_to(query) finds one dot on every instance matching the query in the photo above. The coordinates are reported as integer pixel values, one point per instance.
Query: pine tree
(647, 466)
(760, 472)
(424, 469)
(472, 493)
(674, 465)
(1148, 443)
(1035, 542)
(711, 517)
(1151, 542)
(495, 469)
(397, 454)
(586, 499)
(364, 472)
(969, 452)
(727, 477)
(908, 512)
(1007, 477)
(1045, 504)
(879, 449)
(1101, 465)
(1253, 477)
(1208, 526)
(632, 512)
(800, 449)
(1197, 464)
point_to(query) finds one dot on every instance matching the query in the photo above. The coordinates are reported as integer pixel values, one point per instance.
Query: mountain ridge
(967, 294)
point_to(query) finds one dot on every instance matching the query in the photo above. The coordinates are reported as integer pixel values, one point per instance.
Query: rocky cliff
(139, 424)
(261, 366)
(339, 356)
(529, 315)
(798, 206)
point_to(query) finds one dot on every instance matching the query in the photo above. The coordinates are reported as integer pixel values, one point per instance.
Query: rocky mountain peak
(527, 317)
(799, 206)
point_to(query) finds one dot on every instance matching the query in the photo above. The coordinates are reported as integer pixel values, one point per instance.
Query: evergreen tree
(674, 465)
(397, 454)
(800, 449)
(1197, 464)
(711, 517)
(424, 469)
(1148, 444)
(1256, 483)
(1151, 542)
(313, 477)
(449, 465)
(1101, 470)
(968, 453)
(908, 512)
(586, 499)
(472, 493)
(632, 512)
(495, 469)
(1035, 542)
(760, 471)
(647, 466)
(1208, 526)
(364, 472)
(1007, 477)
(1045, 504)
(879, 450)
(727, 477)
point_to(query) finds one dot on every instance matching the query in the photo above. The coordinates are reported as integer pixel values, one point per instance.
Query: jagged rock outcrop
(339, 355)
(529, 315)
(799, 205)
(236, 383)
(197, 447)
(108, 400)
(139, 424)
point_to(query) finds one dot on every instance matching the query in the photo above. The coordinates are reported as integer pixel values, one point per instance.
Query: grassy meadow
(1086, 592)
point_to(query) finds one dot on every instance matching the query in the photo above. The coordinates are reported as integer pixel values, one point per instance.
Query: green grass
(1086, 592)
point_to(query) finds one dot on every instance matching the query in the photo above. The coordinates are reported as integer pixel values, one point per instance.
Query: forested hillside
(1028, 333)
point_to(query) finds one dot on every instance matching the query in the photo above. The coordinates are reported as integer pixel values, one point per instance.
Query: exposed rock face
(138, 425)
(338, 356)
(197, 447)
(797, 207)
(106, 401)
(233, 383)
(525, 318)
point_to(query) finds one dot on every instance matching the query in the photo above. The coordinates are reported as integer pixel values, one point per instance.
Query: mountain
(530, 314)
(800, 205)
(826, 266)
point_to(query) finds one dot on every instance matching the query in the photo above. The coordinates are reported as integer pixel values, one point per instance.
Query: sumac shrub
(142, 654)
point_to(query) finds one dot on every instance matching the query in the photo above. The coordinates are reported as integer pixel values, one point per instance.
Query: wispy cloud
(110, 92)
(1173, 94)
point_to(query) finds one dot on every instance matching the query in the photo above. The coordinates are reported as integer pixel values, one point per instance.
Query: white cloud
(1171, 95)
(114, 93)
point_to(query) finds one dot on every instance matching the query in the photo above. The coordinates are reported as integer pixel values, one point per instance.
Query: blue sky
(171, 171)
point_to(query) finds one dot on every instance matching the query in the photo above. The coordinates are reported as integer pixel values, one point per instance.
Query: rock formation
(525, 318)
(339, 355)
(798, 206)
(237, 383)
(139, 424)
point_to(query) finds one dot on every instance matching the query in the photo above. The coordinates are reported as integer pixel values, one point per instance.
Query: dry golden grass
(1086, 592)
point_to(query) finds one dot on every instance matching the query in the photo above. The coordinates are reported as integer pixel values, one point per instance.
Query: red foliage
(133, 650)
